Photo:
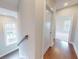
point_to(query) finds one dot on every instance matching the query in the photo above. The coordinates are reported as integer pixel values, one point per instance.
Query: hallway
(61, 50)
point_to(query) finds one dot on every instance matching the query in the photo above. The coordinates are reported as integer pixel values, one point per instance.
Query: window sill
(9, 52)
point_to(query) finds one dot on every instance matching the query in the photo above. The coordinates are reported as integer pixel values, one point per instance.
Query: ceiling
(13, 4)
(60, 3)
(9, 4)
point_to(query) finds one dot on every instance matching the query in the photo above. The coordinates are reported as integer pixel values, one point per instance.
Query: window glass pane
(10, 33)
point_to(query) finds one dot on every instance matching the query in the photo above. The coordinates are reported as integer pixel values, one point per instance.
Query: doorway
(47, 31)
(63, 28)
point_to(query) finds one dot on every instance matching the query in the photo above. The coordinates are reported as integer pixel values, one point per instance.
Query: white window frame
(8, 41)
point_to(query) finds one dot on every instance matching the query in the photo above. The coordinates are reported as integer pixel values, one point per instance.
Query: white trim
(70, 32)
(45, 50)
(52, 44)
(74, 48)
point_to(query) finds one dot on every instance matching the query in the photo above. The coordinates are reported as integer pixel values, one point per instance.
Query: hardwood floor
(61, 50)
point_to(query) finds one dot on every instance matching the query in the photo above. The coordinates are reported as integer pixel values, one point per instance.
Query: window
(67, 25)
(10, 33)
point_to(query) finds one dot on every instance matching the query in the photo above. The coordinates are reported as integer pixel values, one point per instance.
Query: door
(47, 30)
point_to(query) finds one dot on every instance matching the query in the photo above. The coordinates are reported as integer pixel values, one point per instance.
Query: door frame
(70, 32)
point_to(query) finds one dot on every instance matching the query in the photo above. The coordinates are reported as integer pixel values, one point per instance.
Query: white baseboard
(52, 44)
(74, 48)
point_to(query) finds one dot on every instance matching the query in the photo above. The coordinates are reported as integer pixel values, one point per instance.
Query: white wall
(51, 4)
(53, 26)
(73, 12)
(75, 39)
(40, 12)
(27, 22)
(31, 15)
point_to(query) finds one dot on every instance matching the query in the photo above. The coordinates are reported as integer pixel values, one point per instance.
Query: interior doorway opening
(63, 28)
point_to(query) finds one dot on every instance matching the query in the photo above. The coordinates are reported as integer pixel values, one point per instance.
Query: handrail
(25, 37)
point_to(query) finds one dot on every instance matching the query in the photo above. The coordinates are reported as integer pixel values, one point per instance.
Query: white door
(47, 31)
